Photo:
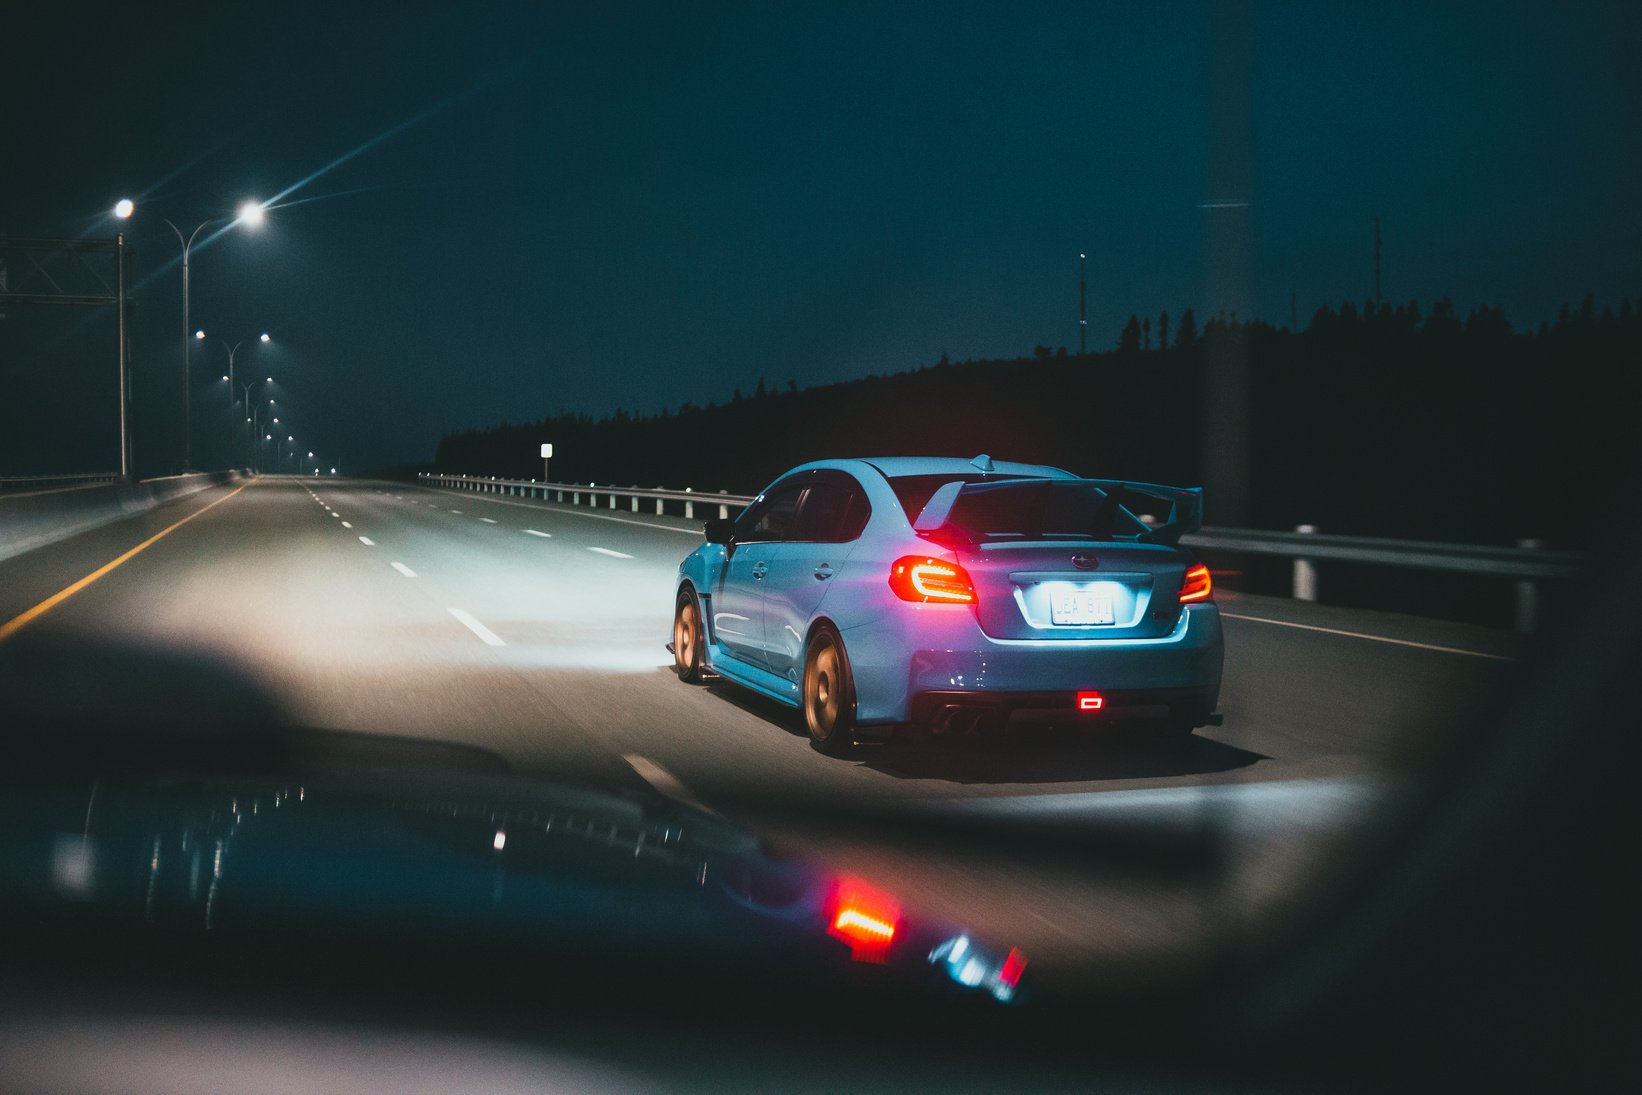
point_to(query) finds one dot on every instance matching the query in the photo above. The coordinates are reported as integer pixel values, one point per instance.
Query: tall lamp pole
(232, 383)
(1083, 317)
(250, 214)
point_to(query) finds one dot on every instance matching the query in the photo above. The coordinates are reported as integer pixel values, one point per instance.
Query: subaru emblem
(1085, 562)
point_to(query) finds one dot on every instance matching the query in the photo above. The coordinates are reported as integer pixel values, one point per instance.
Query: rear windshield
(914, 491)
(1031, 509)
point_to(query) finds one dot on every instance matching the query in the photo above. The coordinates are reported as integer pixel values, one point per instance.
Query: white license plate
(1080, 607)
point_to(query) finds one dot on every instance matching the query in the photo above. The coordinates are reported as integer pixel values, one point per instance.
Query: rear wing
(1173, 511)
(1182, 508)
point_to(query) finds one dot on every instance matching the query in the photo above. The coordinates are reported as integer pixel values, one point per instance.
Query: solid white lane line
(367, 541)
(543, 535)
(403, 569)
(487, 520)
(490, 637)
(612, 554)
(1372, 638)
(664, 781)
(346, 525)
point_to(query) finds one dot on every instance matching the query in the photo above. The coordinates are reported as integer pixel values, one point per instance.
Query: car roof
(892, 467)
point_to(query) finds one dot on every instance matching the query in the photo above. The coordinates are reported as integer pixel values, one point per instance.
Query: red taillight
(863, 918)
(1013, 966)
(1196, 586)
(1090, 701)
(918, 578)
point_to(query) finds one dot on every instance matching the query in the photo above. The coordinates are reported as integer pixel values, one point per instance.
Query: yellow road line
(17, 623)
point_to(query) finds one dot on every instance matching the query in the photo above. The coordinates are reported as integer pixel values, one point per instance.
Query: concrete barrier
(29, 521)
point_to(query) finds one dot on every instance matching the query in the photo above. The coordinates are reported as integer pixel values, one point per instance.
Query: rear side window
(833, 513)
(1041, 509)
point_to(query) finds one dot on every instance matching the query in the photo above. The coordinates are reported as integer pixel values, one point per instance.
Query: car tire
(688, 636)
(828, 694)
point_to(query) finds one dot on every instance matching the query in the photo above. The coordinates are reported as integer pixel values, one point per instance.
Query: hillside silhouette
(1388, 421)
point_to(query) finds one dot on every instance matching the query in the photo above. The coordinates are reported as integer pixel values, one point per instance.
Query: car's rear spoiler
(1182, 506)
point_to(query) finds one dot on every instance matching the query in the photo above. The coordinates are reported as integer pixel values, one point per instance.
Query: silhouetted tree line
(1386, 420)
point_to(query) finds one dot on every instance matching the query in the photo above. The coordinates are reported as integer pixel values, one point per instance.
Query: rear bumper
(959, 663)
(1176, 705)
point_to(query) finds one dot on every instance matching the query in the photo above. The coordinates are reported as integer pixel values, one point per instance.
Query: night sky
(489, 212)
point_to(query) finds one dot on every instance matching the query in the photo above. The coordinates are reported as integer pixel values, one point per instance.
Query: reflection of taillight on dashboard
(916, 578)
(1009, 975)
(1196, 586)
(863, 918)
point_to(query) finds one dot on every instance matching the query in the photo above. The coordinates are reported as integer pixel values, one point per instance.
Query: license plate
(1080, 607)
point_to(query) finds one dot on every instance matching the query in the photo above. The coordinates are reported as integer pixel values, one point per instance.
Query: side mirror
(719, 530)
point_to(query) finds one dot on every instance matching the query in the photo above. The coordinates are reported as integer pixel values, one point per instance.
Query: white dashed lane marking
(367, 541)
(346, 525)
(487, 520)
(663, 781)
(490, 637)
(403, 569)
(543, 535)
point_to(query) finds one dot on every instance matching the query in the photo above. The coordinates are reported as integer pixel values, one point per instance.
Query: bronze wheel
(687, 637)
(829, 694)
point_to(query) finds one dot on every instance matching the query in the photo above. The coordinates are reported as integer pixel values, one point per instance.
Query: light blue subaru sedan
(937, 594)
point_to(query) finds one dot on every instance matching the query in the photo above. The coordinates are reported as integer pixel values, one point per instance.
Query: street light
(258, 425)
(232, 383)
(250, 214)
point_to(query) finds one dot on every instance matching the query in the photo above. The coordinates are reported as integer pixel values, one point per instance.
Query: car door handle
(823, 572)
(759, 570)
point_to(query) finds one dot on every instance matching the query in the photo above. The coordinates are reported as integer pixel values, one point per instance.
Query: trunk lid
(1065, 590)
(1059, 559)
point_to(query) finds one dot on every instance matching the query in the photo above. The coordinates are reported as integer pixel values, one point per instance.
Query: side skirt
(751, 677)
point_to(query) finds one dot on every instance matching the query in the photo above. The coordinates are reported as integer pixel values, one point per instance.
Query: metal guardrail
(50, 482)
(687, 500)
(1527, 563)
(1524, 561)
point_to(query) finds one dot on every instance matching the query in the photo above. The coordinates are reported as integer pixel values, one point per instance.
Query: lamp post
(277, 444)
(232, 383)
(232, 350)
(252, 429)
(250, 214)
(257, 427)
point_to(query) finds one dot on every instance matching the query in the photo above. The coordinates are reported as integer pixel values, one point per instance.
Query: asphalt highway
(535, 632)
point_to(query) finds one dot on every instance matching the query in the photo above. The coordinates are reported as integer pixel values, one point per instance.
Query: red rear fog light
(1090, 701)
